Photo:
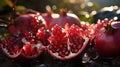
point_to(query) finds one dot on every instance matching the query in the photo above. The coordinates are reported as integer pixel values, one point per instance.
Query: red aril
(90, 30)
(42, 35)
(37, 22)
(23, 45)
(11, 46)
(32, 48)
(31, 51)
(67, 43)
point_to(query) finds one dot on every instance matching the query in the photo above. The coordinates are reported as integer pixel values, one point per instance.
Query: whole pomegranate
(67, 43)
(107, 41)
(65, 18)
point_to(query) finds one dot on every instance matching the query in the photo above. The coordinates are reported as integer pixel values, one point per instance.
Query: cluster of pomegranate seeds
(75, 39)
(58, 41)
(37, 22)
(42, 35)
(101, 24)
(11, 46)
(66, 43)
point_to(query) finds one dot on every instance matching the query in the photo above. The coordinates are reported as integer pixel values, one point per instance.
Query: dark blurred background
(40, 5)
(84, 9)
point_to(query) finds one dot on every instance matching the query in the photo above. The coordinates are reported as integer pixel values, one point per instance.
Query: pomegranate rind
(71, 55)
(5, 51)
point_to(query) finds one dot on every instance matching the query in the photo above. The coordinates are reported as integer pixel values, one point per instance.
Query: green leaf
(2, 3)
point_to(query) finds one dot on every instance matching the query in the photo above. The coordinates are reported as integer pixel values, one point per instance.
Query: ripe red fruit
(27, 22)
(65, 18)
(107, 41)
(24, 45)
(42, 35)
(92, 29)
(31, 51)
(11, 46)
(37, 22)
(12, 29)
(22, 23)
(89, 30)
(32, 48)
(49, 17)
(67, 44)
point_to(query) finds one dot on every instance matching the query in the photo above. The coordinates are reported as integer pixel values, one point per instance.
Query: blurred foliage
(82, 8)
(2, 3)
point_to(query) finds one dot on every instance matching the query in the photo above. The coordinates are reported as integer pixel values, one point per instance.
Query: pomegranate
(31, 50)
(27, 22)
(25, 44)
(49, 17)
(11, 46)
(22, 39)
(92, 29)
(65, 18)
(22, 23)
(107, 41)
(42, 35)
(89, 30)
(37, 22)
(67, 43)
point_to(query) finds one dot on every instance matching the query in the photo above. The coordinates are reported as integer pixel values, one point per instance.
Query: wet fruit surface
(67, 43)
(107, 41)
(60, 40)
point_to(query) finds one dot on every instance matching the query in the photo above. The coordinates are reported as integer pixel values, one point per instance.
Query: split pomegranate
(32, 48)
(65, 18)
(11, 46)
(24, 44)
(67, 43)
(23, 40)
(107, 41)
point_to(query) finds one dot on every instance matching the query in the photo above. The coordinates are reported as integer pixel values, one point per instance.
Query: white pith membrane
(71, 54)
(12, 55)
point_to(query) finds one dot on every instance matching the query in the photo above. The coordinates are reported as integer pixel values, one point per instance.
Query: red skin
(108, 44)
(21, 24)
(48, 18)
(65, 18)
